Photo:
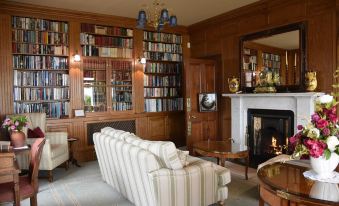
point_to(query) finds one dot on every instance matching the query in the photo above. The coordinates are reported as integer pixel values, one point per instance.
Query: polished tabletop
(288, 181)
(221, 147)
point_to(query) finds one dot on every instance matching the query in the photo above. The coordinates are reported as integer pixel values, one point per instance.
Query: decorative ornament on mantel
(319, 140)
(311, 81)
(157, 17)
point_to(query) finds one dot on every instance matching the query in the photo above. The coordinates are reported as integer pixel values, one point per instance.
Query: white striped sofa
(142, 171)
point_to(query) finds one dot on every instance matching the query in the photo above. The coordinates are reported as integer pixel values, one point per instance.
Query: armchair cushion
(35, 133)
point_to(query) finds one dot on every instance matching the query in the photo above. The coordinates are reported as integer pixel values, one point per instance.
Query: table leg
(222, 162)
(16, 190)
(246, 167)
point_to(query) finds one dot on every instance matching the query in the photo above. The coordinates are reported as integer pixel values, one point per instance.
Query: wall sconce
(142, 60)
(76, 57)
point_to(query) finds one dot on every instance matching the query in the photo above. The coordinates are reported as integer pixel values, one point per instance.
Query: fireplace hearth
(268, 133)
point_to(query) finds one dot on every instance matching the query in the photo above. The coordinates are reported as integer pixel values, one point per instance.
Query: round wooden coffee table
(222, 151)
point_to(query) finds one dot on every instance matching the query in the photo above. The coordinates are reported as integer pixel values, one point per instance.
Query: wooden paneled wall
(220, 36)
(155, 126)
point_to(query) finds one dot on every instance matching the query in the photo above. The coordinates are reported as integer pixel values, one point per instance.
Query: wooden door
(200, 78)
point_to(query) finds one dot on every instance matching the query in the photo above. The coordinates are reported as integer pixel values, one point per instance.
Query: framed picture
(207, 102)
(79, 113)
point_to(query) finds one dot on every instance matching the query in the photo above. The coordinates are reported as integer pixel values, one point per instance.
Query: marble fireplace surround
(301, 104)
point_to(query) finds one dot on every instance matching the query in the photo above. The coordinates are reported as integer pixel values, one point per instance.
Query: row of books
(37, 94)
(162, 37)
(39, 37)
(121, 75)
(95, 63)
(269, 56)
(38, 24)
(162, 47)
(163, 105)
(152, 67)
(121, 96)
(95, 108)
(52, 109)
(127, 84)
(40, 78)
(163, 56)
(106, 30)
(121, 65)
(119, 88)
(89, 50)
(94, 75)
(121, 106)
(161, 92)
(39, 49)
(105, 41)
(153, 81)
(39, 62)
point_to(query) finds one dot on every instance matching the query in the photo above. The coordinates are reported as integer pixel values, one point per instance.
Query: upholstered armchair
(55, 150)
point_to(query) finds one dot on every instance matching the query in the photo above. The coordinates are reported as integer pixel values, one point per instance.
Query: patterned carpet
(84, 187)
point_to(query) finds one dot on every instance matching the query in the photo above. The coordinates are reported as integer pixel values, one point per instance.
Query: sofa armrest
(57, 137)
(196, 184)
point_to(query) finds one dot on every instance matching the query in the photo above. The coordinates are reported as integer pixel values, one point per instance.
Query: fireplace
(268, 132)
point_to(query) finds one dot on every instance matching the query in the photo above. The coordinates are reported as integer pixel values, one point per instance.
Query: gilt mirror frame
(301, 26)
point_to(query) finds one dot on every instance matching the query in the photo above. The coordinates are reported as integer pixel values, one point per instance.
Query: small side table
(71, 159)
(219, 150)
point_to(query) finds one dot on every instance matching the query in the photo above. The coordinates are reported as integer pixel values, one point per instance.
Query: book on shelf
(40, 78)
(89, 50)
(105, 41)
(24, 48)
(39, 37)
(37, 94)
(162, 81)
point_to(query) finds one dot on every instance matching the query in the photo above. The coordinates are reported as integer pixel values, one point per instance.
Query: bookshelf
(40, 55)
(162, 72)
(107, 67)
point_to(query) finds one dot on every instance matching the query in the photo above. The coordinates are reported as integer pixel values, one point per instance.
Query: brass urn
(233, 84)
(311, 81)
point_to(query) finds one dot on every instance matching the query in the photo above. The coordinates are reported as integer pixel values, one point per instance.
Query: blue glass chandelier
(156, 17)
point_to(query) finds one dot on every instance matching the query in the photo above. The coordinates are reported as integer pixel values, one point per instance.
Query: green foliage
(327, 154)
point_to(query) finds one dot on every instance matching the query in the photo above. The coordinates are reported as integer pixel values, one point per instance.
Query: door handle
(192, 117)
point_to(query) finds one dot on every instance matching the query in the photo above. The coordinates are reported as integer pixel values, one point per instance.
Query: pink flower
(316, 148)
(326, 131)
(300, 127)
(295, 139)
(315, 117)
(333, 117)
(321, 123)
(16, 123)
(13, 127)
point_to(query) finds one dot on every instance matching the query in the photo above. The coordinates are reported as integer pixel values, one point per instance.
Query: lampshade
(164, 15)
(142, 16)
(173, 21)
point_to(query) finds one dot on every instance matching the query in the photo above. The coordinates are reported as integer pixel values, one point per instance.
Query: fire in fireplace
(268, 133)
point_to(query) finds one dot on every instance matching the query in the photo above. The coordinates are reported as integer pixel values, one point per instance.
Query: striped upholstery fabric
(142, 177)
(164, 150)
(115, 133)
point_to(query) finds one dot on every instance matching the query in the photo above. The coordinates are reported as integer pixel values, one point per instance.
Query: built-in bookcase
(40, 54)
(162, 72)
(107, 67)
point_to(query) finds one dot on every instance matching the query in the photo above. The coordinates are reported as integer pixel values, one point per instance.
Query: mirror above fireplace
(274, 57)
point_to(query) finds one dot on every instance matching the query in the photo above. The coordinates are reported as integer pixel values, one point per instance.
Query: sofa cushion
(164, 150)
(58, 149)
(116, 133)
(183, 156)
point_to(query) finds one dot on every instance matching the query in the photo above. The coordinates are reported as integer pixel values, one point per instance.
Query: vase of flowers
(318, 140)
(15, 125)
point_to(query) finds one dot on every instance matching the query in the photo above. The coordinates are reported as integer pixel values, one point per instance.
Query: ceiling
(286, 41)
(188, 12)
